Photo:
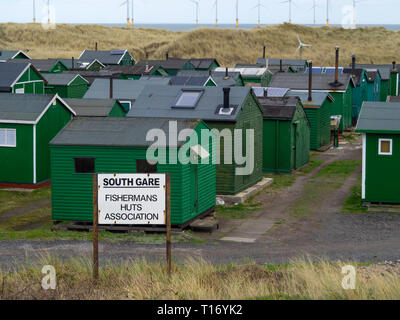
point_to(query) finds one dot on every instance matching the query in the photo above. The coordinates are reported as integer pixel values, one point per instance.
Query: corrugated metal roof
(10, 54)
(122, 89)
(379, 117)
(161, 100)
(123, 132)
(299, 81)
(255, 72)
(358, 72)
(384, 69)
(93, 75)
(9, 73)
(105, 57)
(42, 65)
(204, 63)
(91, 107)
(318, 98)
(189, 80)
(23, 107)
(60, 79)
(279, 108)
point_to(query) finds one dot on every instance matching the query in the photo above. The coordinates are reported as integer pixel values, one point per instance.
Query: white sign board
(132, 198)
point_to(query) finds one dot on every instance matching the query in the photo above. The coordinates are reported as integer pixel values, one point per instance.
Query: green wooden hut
(234, 108)
(389, 84)
(66, 85)
(204, 64)
(44, 65)
(114, 57)
(112, 145)
(340, 89)
(360, 90)
(97, 108)
(20, 78)
(286, 134)
(318, 114)
(379, 123)
(6, 55)
(27, 124)
(374, 84)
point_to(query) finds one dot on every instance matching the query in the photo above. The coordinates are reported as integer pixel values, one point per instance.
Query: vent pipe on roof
(96, 46)
(281, 65)
(226, 73)
(147, 55)
(166, 56)
(209, 73)
(337, 65)
(111, 87)
(73, 63)
(1, 53)
(310, 80)
(394, 66)
(353, 65)
(264, 51)
(226, 97)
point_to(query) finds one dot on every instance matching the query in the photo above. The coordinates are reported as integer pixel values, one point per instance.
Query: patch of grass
(11, 200)
(240, 211)
(314, 163)
(19, 228)
(353, 204)
(281, 181)
(199, 280)
(325, 181)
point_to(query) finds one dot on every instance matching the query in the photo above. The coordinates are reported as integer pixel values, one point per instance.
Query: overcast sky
(183, 11)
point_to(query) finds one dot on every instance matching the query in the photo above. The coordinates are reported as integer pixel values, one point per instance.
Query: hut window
(142, 166)
(84, 165)
(385, 147)
(189, 98)
(8, 137)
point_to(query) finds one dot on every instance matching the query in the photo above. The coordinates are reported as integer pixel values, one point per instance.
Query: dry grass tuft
(200, 280)
(229, 46)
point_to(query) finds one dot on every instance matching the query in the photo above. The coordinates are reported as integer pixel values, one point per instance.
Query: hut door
(193, 189)
(294, 133)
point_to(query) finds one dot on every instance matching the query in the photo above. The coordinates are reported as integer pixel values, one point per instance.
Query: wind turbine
(259, 5)
(314, 7)
(127, 11)
(290, 9)
(34, 12)
(133, 20)
(237, 13)
(301, 46)
(196, 2)
(327, 13)
(216, 12)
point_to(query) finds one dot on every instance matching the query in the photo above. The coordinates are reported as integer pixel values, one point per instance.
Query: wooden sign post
(168, 218)
(128, 199)
(95, 230)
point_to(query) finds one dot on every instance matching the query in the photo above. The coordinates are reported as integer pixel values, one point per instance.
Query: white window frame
(6, 135)
(20, 90)
(385, 153)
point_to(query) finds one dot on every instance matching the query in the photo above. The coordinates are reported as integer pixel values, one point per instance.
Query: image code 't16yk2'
(130, 199)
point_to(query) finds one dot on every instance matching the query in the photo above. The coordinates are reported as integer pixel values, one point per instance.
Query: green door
(294, 146)
(193, 190)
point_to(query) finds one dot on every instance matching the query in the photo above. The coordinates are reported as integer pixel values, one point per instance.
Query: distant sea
(188, 27)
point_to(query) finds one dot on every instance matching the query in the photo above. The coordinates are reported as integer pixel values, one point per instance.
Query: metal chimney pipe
(96, 46)
(111, 87)
(281, 65)
(73, 63)
(226, 73)
(226, 97)
(166, 56)
(310, 70)
(353, 64)
(337, 65)
(264, 51)
(394, 66)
